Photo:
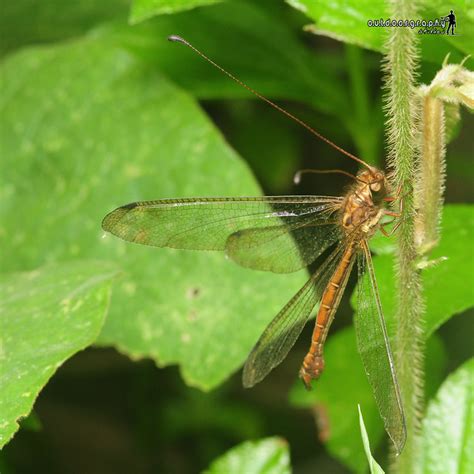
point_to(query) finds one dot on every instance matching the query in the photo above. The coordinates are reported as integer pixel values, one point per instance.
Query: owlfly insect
(261, 233)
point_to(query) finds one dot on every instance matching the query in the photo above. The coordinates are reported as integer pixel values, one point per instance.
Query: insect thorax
(359, 212)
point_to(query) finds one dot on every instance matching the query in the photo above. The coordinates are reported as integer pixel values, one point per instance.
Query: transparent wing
(272, 248)
(280, 335)
(207, 223)
(374, 348)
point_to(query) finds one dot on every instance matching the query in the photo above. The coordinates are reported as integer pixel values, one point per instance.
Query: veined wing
(273, 248)
(281, 334)
(207, 223)
(374, 348)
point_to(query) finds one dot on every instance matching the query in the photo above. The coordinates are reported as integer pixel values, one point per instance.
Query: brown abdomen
(313, 363)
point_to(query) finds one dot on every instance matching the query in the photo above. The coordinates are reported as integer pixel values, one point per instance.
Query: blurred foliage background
(98, 110)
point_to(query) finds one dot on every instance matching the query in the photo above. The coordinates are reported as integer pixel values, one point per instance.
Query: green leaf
(347, 21)
(46, 316)
(374, 467)
(344, 21)
(105, 131)
(447, 285)
(143, 9)
(266, 456)
(448, 427)
(25, 22)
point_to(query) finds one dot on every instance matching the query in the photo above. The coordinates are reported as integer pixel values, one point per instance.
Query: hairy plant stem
(402, 105)
(429, 197)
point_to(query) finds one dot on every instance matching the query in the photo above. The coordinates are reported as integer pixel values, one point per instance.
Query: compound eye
(375, 186)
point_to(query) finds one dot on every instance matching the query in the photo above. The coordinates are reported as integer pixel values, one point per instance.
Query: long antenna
(298, 174)
(178, 39)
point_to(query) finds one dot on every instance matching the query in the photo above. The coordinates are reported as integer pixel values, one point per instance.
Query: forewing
(273, 248)
(281, 334)
(206, 223)
(374, 349)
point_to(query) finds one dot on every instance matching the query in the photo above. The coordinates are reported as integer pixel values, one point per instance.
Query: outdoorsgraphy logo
(443, 25)
(452, 22)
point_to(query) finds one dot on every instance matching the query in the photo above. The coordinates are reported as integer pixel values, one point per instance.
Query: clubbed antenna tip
(176, 38)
